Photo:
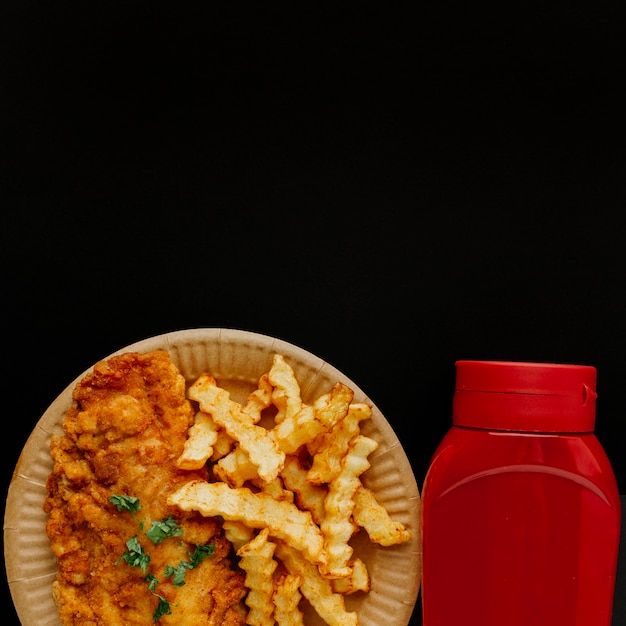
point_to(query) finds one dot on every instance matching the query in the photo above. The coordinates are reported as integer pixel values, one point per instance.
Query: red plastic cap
(531, 397)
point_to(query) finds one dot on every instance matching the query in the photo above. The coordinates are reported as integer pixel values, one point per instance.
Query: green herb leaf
(135, 555)
(177, 573)
(201, 553)
(163, 608)
(127, 503)
(167, 527)
(152, 581)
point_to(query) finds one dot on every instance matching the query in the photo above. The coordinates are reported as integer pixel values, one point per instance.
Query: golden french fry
(257, 561)
(199, 444)
(337, 525)
(305, 426)
(286, 599)
(222, 446)
(259, 399)
(260, 510)
(309, 497)
(330, 606)
(286, 390)
(296, 430)
(275, 489)
(376, 521)
(237, 533)
(333, 445)
(235, 468)
(359, 579)
(255, 440)
(334, 406)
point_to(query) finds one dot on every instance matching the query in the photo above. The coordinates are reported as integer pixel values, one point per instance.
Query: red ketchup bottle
(520, 506)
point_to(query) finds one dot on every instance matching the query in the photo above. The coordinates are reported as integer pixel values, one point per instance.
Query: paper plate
(237, 359)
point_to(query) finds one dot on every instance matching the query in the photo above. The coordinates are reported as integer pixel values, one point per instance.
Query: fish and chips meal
(172, 503)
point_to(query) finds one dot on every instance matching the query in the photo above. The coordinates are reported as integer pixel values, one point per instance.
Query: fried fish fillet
(122, 436)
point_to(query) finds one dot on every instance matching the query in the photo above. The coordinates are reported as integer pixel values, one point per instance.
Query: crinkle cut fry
(237, 533)
(359, 579)
(257, 561)
(375, 519)
(304, 427)
(254, 439)
(258, 510)
(333, 445)
(308, 496)
(286, 390)
(259, 399)
(330, 606)
(235, 468)
(199, 444)
(337, 525)
(286, 600)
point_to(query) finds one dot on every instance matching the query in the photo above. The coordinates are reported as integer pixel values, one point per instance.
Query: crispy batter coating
(123, 435)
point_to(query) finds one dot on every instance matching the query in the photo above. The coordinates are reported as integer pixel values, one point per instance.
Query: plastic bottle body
(519, 529)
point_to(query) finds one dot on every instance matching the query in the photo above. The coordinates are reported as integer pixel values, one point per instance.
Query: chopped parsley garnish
(135, 555)
(201, 553)
(152, 581)
(167, 527)
(177, 574)
(163, 608)
(127, 503)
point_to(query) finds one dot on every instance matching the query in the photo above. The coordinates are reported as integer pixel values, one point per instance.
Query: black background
(391, 190)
